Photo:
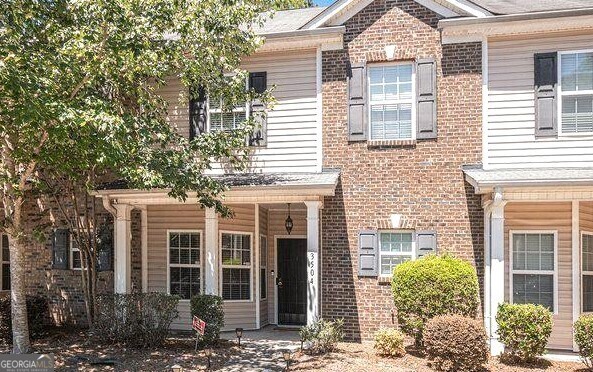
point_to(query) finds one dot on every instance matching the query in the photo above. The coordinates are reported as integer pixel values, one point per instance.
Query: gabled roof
(505, 7)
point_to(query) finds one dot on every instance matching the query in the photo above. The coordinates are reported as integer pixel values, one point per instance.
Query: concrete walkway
(262, 350)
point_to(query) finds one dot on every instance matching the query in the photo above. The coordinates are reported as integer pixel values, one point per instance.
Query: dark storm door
(292, 281)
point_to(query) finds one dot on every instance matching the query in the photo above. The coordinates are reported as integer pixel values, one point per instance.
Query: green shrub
(37, 313)
(389, 342)
(524, 330)
(583, 336)
(136, 319)
(322, 336)
(432, 286)
(456, 343)
(209, 309)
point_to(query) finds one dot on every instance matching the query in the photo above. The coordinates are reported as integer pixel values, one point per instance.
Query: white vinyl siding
(576, 92)
(395, 248)
(510, 128)
(184, 252)
(4, 264)
(587, 272)
(390, 93)
(533, 268)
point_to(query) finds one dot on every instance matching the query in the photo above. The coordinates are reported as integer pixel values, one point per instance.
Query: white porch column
(313, 284)
(123, 248)
(497, 263)
(211, 252)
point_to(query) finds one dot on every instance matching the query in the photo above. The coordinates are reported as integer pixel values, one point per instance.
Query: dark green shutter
(426, 109)
(197, 111)
(368, 253)
(546, 81)
(60, 249)
(357, 113)
(426, 242)
(258, 82)
(105, 247)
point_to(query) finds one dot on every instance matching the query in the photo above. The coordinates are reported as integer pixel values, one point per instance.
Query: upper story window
(220, 118)
(391, 101)
(576, 92)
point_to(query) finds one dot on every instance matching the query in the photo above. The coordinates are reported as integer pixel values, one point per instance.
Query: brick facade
(421, 180)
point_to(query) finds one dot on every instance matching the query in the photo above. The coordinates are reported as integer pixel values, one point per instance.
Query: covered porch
(264, 273)
(538, 244)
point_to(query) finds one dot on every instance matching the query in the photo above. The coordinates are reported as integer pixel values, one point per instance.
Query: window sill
(384, 279)
(391, 143)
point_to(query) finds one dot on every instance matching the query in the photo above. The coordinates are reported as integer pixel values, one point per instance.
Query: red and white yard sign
(198, 325)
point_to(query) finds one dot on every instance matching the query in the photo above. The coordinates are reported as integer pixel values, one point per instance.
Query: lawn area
(74, 350)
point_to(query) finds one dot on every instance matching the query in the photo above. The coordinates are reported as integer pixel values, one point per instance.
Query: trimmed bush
(37, 313)
(432, 286)
(209, 309)
(456, 343)
(322, 336)
(583, 336)
(389, 342)
(136, 319)
(524, 330)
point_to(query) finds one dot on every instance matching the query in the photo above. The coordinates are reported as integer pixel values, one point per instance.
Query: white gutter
(514, 17)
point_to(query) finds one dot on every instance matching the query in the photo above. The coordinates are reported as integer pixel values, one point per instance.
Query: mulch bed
(74, 350)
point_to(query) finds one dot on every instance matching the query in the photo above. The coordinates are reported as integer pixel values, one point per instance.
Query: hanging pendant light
(288, 222)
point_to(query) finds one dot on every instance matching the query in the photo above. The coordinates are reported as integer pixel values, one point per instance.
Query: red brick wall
(422, 181)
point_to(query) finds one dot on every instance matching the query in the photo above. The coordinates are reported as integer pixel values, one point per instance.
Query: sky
(323, 2)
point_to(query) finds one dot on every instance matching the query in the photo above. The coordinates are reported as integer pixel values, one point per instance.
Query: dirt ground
(74, 350)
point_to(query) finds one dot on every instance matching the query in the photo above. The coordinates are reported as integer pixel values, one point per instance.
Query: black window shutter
(258, 82)
(546, 81)
(426, 242)
(197, 111)
(357, 113)
(426, 108)
(368, 253)
(105, 247)
(60, 249)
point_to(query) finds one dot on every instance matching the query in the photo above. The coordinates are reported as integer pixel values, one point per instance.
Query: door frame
(276, 238)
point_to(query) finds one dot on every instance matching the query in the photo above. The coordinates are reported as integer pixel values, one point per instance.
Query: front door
(292, 281)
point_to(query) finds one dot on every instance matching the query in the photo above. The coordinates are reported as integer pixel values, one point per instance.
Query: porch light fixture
(239, 333)
(288, 222)
(287, 356)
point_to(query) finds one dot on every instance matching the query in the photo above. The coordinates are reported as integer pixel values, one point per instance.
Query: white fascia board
(438, 8)
(464, 6)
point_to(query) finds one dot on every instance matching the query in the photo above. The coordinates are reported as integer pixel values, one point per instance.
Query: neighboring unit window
(236, 266)
(184, 264)
(395, 248)
(222, 118)
(75, 257)
(576, 92)
(263, 255)
(5, 268)
(390, 101)
(533, 265)
(587, 272)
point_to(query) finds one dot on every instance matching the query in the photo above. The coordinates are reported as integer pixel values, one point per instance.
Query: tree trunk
(20, 324)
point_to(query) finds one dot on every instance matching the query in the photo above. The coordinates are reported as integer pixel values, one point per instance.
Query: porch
(538, 245)
(265, 273)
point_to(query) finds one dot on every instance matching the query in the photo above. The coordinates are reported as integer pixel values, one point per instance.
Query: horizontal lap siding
(547, 216)
(240, 314)
(160, 219)
(511, 141)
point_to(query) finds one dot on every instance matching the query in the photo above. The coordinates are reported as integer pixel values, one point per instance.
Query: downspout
(107, 205)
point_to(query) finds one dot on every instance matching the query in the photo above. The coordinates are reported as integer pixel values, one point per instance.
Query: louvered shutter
(105, 247)
(546, 81)
(60, 249)
(357, 117)
(426, 108)
(258, 83)
(368, 253)
(197, 112)
(426, 242)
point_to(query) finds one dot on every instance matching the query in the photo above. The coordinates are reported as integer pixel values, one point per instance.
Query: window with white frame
(391, 101)
(5, 265)
(576, 92)
(184, 249)
(533, 265)
(236, 266)
(394, 248)
(263, 256)
(587, 271)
